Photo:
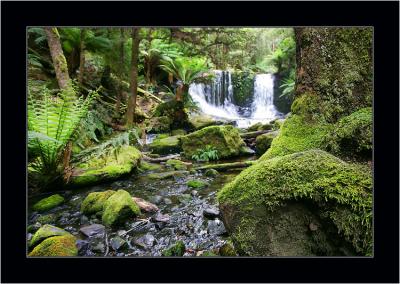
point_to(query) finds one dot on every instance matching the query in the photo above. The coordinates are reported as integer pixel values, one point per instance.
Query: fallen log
(226, 166)
(161, 159)
(253, 134)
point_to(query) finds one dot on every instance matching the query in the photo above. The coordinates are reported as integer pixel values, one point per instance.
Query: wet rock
(156, 199)
(121, 232)
(211, 173)
(161, 218)
(84, 220)
(160, 225)
(167, 201)
(185, 198)
(82, 246)
(178, 249)
(118, 208)
(145, 205)
(47, 219)
(117, 243)
(29, 236)
(99, 248)
(197, 184)
(92, 230)
(211, 212)
(194, 192)
(216, 227)
(145, 241)
(45, 232)
(34, 227)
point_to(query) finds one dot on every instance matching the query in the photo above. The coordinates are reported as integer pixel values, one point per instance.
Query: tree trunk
(122, 60)
(134, 74)
(82, 56)
(57, 55)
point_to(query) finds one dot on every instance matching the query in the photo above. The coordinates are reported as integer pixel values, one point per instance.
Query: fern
(205, 155)
(52, 121)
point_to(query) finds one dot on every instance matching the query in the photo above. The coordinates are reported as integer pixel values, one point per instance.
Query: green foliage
(185, 69)
(178, 249)
(288, 87)
(341, 191)
(56, 117)
(243, 88)
(209, 153)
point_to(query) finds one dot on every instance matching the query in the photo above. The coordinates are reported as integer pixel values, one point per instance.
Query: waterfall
(216, 99)
(263, 105)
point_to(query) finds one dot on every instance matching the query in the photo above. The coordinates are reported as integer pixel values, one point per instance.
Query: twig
(107, 247)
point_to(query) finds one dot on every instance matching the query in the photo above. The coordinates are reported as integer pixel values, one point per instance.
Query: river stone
(211, 212)
(167, 201)
(82, 246)
(84, 220)
(145, 205)
(99, 247)
(45, 232)
(91, 230)
(156, 199)
(216, 227)
(48, 203)
(117, 243)
(161, 218)
(185, 198)
(211, 173)
(145, 241)
(118, 208)
(194, 192)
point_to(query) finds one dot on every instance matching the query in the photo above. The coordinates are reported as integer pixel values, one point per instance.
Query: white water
(217, 99)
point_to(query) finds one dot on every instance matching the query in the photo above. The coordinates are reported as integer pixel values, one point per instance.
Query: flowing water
(217, 99)
(146, 237)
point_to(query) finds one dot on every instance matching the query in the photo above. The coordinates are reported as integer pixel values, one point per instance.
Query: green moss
(158, 124)
(343, 192)
(145, 166)
(95, 201)
(298, 134)
(352, 135)
(177, 164)
(263, 142)
(45, 232)
(48, 203)
(106, 169)
(259, 126)
(167, 175)
(208, 253)
(198, 122)
(196, 183)
(227, 249)
(118, 208)
(178, 132)
(178, 249)
(211, 173)
(56, 246)
(47, 219)
(167, 145)
(225, 139)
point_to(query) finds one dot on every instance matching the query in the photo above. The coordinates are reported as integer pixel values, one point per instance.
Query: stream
(146, 237)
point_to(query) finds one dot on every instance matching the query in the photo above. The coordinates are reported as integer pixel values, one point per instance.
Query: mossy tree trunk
(82, 56)
(336, 65)
(134, 77)
(57, 55)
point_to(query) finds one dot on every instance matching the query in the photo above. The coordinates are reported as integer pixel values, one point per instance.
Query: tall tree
(57, 55)
(130, 113)
(121, 69)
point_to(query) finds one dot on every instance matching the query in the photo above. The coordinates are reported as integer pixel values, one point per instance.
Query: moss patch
(198, 122)
(176, 164)
(165, 146)
(145, 166)
(225, 139)
(196, 183)
(95, 201)
(47, 219)
(166, 175)
(118, 208)
(56, 246)
(178, 249)
(45, 232)
(263, 142)
(158, 124)
(341, 191)
(48, 203)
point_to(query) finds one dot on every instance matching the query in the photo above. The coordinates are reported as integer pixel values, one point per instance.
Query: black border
(383, 16)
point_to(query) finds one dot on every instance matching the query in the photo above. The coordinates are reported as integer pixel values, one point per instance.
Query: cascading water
(217, 100)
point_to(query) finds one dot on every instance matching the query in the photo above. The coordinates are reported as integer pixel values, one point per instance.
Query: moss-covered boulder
(196, 183)
(99, 170)
(178, 249)
(45, 232)
(158, 124)
(225, 139)
(47, 219)
(145, 166)
(227, 249)
(56, 246)
(119, 207)
(94, 202)
(259, 126)
(167, 175)
(178, 132)
(306, 203)
(166, 145)
(198, 122)
(177, 164)
(175, 111)
(211, 173)
(352, 135)
(263, 142)
(48, 203)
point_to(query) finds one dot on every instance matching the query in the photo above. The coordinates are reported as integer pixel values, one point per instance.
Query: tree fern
(52, 121)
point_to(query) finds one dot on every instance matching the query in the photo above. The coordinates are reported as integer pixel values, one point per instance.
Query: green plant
(205, 155)
(52, 121)
(287, 87)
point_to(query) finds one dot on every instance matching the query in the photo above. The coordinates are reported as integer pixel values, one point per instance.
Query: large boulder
(56, 246)
(306, 203)
(175, 111)
(200, 121)
(119, 207)
(94, 202)
(99, 170)
(225, 139)
(166, 145)
(48, 203)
